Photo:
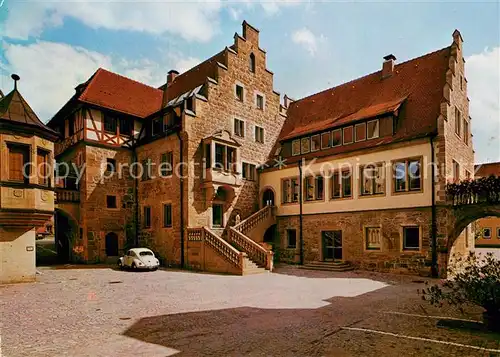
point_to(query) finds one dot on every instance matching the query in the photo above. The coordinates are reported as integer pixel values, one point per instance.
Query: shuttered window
(42, 158)
(18, 157)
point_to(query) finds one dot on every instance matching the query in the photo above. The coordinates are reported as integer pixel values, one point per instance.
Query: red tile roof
(417, 83)
(485, 170)
(113, 91)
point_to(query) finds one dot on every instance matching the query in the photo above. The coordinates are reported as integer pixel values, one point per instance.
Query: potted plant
(474, 280)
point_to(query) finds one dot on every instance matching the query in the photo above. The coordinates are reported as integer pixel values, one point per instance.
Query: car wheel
(120, 264)
(134, 266)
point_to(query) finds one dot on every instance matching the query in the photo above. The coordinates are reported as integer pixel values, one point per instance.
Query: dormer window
(157, 126)
(252, 63)
(372, 129)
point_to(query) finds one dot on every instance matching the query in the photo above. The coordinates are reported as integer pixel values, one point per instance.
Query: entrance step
(249, 267)
(336, 266)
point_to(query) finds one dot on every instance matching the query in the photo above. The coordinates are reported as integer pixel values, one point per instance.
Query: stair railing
(253, 220)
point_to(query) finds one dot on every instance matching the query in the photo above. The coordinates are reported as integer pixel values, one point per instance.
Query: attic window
(348, 135)
(252, 63)
(373, 129)
(189, 104)
(360, 132)
(109, 124)
(296, 147)
(157, 126)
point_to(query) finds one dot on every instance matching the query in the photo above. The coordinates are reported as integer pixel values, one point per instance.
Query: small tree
(474, 281)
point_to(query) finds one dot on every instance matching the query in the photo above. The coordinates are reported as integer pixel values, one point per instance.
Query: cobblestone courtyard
(105, 312)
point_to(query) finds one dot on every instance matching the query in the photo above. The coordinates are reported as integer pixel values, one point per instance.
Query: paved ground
(104, 312)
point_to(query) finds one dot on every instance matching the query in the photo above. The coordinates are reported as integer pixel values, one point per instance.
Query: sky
(311, 45)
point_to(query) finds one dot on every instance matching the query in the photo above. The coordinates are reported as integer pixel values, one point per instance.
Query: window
(325, 140)
(372, 238)
(259, 101)
(291, 235)
(110, 165)
(208, 155)
(19, 156)
(456, 171)
(248, 171)
(486, 233)
(147, 217)
(251, 63)
(411, 238)
(337, 137)
(372, 128)
(219, 156)
(126, 126)
(217, 215)
(498, 233)
(360, 132)
(42, 162)
(166, 165)
(157, 126)
(146, 169)
(239, 128)
(111, 202)
(341, 184)
(289, 190)
(109, 123)
(466, 132)
(190, 104)
(167, 215)
(259, 134)
(315, 142)
(296, 147)
(230, 159)
(239, 93)
(458, 121)
(461, 83)
(305, 146)
(372, 180)
(347, 135)
(407, 175)
(314, 188)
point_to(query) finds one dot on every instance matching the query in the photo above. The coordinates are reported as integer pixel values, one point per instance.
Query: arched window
(252, 63)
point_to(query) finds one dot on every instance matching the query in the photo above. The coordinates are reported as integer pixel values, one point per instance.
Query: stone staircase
(335, 266)
(249, 267)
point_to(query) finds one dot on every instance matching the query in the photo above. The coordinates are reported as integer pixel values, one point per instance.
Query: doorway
(111, 244)
(332, 245)
(268, 198)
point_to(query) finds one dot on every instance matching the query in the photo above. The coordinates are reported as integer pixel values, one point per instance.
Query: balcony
(66, 195)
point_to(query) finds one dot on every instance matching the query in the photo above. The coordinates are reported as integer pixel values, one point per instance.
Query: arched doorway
(111, 244)
(65, 232)
(270, 234)
(268, 198)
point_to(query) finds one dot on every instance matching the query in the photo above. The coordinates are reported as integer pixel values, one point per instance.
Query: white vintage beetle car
(139, 258)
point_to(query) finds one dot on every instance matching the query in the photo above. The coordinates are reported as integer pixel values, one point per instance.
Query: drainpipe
(434, 264)
(301, 240)
(181, 185)
(136, 199)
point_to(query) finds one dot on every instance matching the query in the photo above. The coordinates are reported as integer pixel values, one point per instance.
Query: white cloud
(483, 76)
(192, 20)
(50, 71)
(235, 13)
(308, 40)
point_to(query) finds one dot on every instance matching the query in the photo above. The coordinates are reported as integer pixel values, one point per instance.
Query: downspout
(181, 185)
(301, 240)
(136, 199)
(434, 264)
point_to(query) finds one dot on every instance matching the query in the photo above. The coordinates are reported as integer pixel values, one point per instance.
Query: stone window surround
(330, 185)
(256, 93)
(401, 236)
(233, 122)
(290, 178)
(360, 178)
(365, 237)
(143, 218)
(255, 170)
(236, 84)
(288, 246)
(483, 233)
(223, 223)
(407, 189)
(263, 134)
(304, 187)
(498, 232)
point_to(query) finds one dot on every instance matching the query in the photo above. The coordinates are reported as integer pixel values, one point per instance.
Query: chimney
(171, 76)
(388, 66)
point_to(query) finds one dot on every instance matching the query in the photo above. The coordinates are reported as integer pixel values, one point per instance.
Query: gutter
(301, 239)
(434, 263)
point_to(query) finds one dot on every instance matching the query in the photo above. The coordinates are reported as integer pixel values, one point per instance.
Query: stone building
(26, 185)
(187, 169)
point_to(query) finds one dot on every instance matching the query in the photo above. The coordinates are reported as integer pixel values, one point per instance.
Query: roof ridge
(198, 65)
(369, 74)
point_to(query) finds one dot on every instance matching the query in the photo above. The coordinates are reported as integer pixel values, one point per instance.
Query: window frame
(361, 181)
(115, 202)
(323, 147)
(262, 97)
(288, 245)
(458, 122)
(305, 150)
(341, 137)
(252, 171)
(456, 171)
(292, 189)
(221, 213)
(25, 150)
(404, 248)
(167, 157)
(294, 153)
(377, 121)
(484, 236)
(319, 143)
(498, 232)
(236, 87)
(241, 125)
(406, 162)
(356, 140)
(165, 222)
(146, 218)
(129, 125)
(259, 129)
(344, 142)
(252, 62)
(111, 161)
(113, 123)
(45, 179)
(341, 184)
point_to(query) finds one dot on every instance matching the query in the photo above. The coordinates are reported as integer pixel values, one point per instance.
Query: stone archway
(268, 197)
(66, 231)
